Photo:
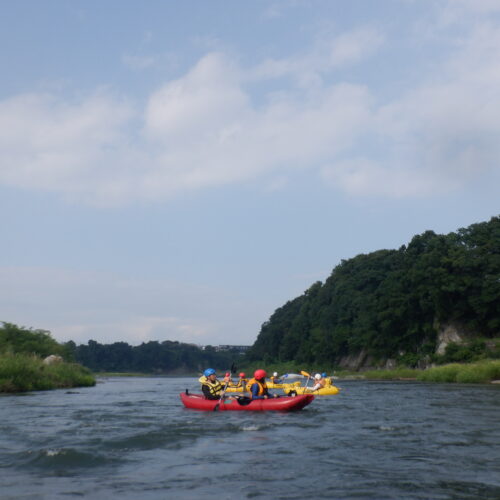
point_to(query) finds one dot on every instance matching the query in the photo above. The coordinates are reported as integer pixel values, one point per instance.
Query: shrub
(21, 373)
(474, 373)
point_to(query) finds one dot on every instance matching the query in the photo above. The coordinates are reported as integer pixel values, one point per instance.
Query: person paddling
(242, 381)
(257, 386)
(320, 382)
(328, 380)
(210, 386)
(275, 378)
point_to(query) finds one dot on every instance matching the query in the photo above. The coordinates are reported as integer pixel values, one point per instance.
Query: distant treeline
(150, 357)
(391, 302)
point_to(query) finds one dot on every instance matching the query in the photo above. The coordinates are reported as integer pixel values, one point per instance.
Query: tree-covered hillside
(392, 302)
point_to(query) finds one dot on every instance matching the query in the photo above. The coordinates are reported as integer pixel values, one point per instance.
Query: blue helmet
(323, 374)
(208, 372)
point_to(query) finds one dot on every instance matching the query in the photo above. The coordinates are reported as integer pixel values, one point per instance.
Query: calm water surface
(130, 438)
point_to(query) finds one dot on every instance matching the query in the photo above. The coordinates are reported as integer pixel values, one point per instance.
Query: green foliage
(480, 372)
(21, 372)
(473, 373)
(152, 357)
(390, 301)
(17, 339)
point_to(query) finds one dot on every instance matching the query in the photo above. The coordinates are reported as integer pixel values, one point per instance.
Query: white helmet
(275, 374)
(317, 376)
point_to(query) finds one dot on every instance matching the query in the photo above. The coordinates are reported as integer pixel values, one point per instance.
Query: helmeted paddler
(242, 381)
(210, 386)
(274, 378)
(257, 386)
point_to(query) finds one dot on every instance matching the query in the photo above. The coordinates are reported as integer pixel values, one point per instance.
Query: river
(130, 438)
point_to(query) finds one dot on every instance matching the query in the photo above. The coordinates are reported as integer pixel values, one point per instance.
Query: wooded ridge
(393, 304)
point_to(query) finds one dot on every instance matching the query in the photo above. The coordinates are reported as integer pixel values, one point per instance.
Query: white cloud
(363, 177)
(206, 129)
(327, 54)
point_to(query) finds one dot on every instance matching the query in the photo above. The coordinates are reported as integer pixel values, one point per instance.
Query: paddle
(232, 370)
(308, 375)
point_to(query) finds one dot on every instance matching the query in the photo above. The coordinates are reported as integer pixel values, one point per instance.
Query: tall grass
(473, 373)
(21, 373)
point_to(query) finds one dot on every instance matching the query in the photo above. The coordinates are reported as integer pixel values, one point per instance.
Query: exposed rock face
(447, 333)
(52, 359)
(355, 361)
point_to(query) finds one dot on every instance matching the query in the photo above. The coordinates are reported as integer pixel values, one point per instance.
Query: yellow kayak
(270, 385)
(235, 389)
(324, 391)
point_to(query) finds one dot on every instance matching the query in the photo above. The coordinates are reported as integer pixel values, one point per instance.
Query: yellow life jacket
(328, 382)
(215, 387)
(262, 386)
(242, 382)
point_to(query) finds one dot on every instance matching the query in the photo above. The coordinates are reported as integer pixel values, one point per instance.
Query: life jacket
(262, 386)
(215, 387)
(242, 382)
(328, 382)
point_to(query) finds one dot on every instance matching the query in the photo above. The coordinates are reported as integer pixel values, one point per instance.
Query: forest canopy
(392, 302)
(151, 357)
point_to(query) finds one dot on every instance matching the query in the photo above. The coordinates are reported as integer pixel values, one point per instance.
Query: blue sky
(179, 170)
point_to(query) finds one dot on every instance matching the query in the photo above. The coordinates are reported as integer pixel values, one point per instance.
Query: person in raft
(328, 380)
(210, 386)
(320, 382)
(257, 386)
(275, 379)
(242, 381)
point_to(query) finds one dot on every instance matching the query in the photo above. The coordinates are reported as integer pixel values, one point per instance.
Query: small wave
(386, 428)
(53, 453)
(250, 428)
(66, 458)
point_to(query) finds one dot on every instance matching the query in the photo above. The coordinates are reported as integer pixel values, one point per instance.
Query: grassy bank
(479, 372)
(21, 373)
(471, 373)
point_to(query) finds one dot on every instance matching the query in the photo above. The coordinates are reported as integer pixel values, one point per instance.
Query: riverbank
(479, 372)
(22, 373)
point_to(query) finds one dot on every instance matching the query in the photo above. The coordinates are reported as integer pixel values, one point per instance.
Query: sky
(179, 170)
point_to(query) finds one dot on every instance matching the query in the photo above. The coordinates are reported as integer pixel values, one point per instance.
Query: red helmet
(259, 374)
(242, 375)
(227, 374)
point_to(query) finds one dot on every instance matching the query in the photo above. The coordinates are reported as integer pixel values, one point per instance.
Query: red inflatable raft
(198, 402)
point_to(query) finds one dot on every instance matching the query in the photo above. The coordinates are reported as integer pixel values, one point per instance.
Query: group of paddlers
(213, 388)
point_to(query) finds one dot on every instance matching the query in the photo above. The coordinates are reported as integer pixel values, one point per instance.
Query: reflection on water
(130, 438)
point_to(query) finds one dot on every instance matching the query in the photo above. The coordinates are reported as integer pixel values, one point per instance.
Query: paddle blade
(305, 374)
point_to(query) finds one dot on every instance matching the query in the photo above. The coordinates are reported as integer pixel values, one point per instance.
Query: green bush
(473, 373)
(15, 339)
(21, 373)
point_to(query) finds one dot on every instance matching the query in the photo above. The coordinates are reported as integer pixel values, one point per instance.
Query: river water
(130, 438)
